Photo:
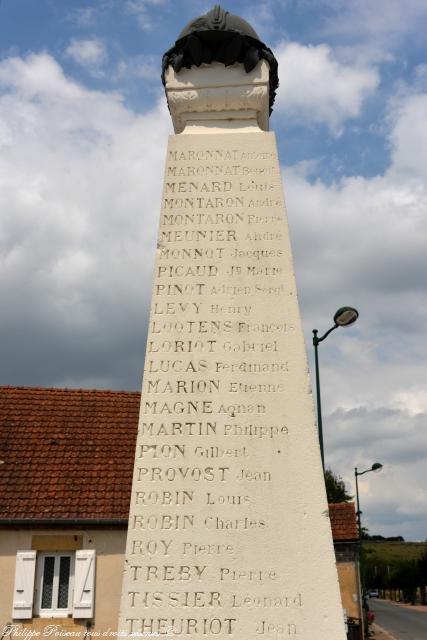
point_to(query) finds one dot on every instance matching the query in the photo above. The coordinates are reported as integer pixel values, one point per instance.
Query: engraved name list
(213, 452)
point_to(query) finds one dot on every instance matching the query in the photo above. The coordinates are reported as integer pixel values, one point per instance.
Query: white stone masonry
(229, 534)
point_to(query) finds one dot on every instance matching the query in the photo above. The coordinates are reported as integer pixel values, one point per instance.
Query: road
(401, 622)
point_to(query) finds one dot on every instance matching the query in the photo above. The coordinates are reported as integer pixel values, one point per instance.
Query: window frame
(54, 612)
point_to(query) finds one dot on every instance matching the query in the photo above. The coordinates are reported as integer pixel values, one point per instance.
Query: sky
(83, 133)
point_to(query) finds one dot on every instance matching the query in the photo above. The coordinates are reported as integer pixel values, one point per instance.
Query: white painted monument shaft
(229, 534)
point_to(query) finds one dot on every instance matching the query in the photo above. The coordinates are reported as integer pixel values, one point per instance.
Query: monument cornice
(214, 94)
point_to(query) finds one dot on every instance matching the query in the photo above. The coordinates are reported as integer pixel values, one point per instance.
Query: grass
(391, 552)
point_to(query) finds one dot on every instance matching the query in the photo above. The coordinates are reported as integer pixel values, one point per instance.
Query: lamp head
(345, 316)
(377, 466)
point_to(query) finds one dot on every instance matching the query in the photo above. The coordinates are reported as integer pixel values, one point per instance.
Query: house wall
(110, 548)
(349, 587)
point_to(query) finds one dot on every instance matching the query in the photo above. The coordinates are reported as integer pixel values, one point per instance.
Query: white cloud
(89, 16)
(414, 401)
(384, 21)
(261, 16)
(82, 16)
(80, 182)
(378, 222)
(89, 53)
(143, 67)
(409, 136)
(315, 86)
(421, 76)
(393, 501)
(141, 9)
(361, 241)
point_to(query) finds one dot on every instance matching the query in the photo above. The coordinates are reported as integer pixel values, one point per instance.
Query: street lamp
(342, 318)
(377, 466)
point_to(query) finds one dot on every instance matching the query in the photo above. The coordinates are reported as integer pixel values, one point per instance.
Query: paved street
(402, 622)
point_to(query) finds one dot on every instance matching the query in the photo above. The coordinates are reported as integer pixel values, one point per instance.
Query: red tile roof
(67, 453)
(343, 521)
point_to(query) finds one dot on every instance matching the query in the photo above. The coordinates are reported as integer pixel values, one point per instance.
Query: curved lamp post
(342, 318)
(377, 466)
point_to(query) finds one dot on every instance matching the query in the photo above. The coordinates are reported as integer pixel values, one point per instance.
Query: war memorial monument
(229, 535)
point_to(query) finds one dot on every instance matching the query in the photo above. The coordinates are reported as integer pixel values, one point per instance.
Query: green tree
(365, 533)
(422, 576)
(335, 488)
(405, 577)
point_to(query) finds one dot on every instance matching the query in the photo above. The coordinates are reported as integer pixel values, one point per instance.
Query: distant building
(66, 464)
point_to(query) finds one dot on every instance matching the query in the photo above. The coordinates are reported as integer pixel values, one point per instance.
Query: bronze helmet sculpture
(220, 36)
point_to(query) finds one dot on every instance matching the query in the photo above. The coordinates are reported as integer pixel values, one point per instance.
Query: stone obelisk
(228, 532)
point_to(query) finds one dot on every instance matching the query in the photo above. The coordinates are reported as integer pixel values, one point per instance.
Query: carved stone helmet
(217, 19)
(221, 37)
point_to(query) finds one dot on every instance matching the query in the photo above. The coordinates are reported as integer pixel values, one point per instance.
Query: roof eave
(64, 522)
